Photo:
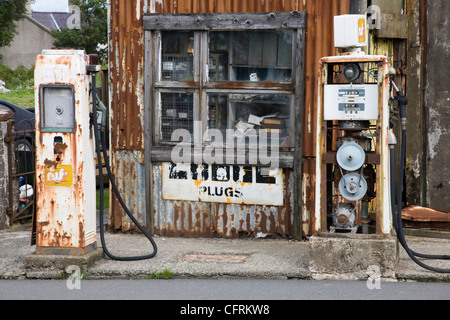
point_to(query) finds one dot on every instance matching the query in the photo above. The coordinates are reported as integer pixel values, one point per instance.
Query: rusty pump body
(65, 164)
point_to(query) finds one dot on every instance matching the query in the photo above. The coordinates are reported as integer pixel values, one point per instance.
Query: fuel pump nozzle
(402, 102)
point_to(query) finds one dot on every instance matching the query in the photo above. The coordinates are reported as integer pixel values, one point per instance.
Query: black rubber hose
(392, 175)
(116, 191)
(398, 215)
(400, 189)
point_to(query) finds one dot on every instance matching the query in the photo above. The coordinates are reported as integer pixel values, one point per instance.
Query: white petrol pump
(352, 190)
(65, 164)
(67, 138)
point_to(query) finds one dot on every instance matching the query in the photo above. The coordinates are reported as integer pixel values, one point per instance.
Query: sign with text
(222, 183)
(59, 176)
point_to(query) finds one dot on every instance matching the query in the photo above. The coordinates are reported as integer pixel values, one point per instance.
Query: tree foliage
(93, 34)
(10, 12)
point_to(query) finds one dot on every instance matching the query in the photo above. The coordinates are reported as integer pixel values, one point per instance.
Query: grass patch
(105, 197)
(165, 275)
(21, 83)
(23, 97)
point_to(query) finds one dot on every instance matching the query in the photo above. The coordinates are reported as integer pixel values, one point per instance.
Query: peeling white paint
(153, 4)
(435, 133)
(145, 7)
(309, 122)
(414, 166)
(138, 10)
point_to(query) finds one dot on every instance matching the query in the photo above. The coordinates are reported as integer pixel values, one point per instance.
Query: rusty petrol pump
(65, 164)
(352, 143)
(70, 122)
(353, 193)
(359, 220)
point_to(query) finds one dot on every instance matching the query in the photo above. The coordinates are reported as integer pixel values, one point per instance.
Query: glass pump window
(57, 108)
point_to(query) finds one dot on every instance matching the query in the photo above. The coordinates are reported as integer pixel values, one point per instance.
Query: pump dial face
(59, 110)
(353, 186)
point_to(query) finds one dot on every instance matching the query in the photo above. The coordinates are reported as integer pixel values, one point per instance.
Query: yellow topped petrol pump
(65, 165)
(352, 193)
(355, 193)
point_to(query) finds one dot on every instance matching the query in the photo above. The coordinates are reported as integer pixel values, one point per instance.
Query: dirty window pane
(177, 56)
(250, 113)
(176, 113)
(250, 56)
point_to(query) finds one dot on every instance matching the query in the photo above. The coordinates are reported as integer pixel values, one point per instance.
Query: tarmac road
(219, 289)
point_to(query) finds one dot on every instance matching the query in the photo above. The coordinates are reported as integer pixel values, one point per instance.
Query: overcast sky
(50, 5)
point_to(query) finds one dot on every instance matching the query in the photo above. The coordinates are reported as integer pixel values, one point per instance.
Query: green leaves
(10, 12)
(93, 35)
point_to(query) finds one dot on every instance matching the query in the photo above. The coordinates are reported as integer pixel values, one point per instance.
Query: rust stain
(50, 163)
(417, 213)
(60, 147)
(81, 242)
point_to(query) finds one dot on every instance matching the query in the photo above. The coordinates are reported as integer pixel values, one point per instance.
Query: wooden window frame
(201, 24)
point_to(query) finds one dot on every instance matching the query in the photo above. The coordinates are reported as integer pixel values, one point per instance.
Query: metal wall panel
(126, 45)
(126, 65)
(129, 171)
(212, 219)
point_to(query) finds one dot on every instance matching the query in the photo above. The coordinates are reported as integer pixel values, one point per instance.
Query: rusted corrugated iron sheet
(126, 63)
(129, 171)
(227, 220)
(214, 6)
(319, 43)
(127, 67)
(418, 217)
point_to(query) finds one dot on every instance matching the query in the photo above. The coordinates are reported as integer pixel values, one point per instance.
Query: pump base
(61, 251)
(352, 256)
(58, 261)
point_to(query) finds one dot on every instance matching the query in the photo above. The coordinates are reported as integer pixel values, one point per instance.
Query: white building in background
(34, 32)
(50, 5)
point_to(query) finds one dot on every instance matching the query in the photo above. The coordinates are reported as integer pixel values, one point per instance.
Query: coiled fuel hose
(101, 132)
(397, 213)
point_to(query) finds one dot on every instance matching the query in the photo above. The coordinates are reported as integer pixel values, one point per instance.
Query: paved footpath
(208, 258)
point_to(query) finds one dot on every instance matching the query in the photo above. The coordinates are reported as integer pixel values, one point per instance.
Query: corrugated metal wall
(126, 68)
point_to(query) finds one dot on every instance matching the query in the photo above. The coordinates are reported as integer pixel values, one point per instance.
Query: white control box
(350, 31)
(351, 102)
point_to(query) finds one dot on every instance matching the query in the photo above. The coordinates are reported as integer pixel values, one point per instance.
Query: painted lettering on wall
(222, 183)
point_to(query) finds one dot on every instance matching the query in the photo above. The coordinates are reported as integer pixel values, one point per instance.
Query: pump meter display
(57, 108)
(351, 102)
